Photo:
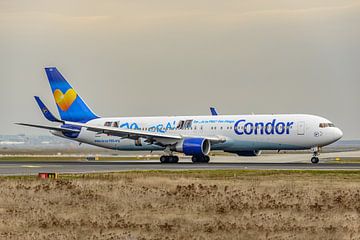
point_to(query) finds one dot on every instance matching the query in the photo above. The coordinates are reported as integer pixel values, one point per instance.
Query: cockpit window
(325, 125)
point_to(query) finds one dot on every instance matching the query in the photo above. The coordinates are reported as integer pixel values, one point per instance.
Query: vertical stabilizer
(70, 105)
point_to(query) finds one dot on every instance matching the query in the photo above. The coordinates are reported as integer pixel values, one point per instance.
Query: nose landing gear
(314, 160)
(316, 153)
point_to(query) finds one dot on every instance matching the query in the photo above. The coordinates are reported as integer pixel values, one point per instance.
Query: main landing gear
(169, 159)
(200, 159)
(175, 159)
(315, 158)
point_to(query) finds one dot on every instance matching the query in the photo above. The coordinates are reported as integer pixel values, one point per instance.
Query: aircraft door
(301, 128)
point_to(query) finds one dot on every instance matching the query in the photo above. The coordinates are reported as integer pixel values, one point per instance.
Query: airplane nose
(338, 133)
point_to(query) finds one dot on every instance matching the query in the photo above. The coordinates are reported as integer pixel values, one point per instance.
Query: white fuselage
(240, 132)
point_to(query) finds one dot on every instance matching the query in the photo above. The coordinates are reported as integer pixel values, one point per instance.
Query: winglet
(47, 114)
(213, 111)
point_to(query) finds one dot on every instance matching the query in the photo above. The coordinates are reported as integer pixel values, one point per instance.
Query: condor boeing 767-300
(245, 135)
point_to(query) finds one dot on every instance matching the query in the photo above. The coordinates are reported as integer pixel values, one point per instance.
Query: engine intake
(194, 146)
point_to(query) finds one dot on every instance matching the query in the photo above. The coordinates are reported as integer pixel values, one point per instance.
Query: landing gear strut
(316, 153)
(200, 159)
(169, 159)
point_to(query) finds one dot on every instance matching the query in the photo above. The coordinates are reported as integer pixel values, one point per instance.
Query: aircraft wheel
(200, 159)
(314, 160)
(169, 159)
(163, 159)
(174, 159)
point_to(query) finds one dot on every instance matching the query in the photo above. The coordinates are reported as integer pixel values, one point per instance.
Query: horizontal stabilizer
(47, 114)
(213, 111)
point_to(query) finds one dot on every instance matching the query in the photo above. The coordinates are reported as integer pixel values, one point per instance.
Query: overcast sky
(145, 58)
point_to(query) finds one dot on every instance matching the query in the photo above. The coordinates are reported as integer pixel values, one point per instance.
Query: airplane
(195, 136)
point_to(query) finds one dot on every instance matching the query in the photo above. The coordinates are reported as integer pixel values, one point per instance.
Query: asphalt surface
(35, 167)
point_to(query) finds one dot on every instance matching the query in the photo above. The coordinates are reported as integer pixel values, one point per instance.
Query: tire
(173, 159)
(163, 159)
(200, 159)
(169, 159)
(314, 160)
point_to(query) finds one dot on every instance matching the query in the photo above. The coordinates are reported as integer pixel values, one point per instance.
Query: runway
(34, 167)
(26, 166)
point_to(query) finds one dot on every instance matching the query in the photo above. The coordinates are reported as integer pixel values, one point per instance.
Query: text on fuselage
(260, 128)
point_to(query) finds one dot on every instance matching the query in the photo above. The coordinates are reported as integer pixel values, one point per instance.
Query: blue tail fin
(70, 105)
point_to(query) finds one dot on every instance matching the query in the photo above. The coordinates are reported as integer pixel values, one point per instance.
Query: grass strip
(212, 174)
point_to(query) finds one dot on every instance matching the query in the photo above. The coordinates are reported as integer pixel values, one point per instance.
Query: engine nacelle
(194, 146)
(253, 153)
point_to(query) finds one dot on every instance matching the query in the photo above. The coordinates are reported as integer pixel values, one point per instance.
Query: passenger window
(107, 124)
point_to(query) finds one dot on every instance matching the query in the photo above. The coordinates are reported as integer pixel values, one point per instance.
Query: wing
(61, 129)
(160, 139)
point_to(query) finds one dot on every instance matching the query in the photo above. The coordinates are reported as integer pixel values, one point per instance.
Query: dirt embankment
(150, 206)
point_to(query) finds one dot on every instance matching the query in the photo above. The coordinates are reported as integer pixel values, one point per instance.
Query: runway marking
(30, 166)
(7, 166)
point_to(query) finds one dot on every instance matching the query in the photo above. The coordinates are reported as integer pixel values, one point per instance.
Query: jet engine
(194, 146)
